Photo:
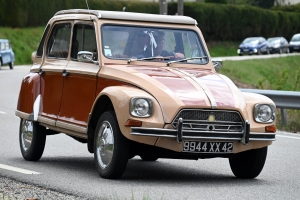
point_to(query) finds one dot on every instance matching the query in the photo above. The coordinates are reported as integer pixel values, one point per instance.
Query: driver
(157, 50)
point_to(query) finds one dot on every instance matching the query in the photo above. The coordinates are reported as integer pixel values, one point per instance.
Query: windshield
(150, 43)
(296, 38)
(274, 40)
(251, 40)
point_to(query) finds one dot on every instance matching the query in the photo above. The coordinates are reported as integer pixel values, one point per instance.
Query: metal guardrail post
(180, 7)
(163, 7)
(283, 116)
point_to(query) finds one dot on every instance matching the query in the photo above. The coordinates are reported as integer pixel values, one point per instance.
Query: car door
(51, 71)
(79, 81)
(5, 53)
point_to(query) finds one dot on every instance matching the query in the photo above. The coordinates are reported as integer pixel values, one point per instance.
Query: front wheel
(248, 164)
(111, 148)
(32, 140)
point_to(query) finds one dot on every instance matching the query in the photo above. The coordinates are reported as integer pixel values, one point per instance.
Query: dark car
(7, 55)
(253, 45)
(295, 43)
(278, 45)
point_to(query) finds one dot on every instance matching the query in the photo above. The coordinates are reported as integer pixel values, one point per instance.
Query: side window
(39, 52)
(59, 41)
(84, 39)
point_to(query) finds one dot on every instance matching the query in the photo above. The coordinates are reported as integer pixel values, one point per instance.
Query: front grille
(220, 120)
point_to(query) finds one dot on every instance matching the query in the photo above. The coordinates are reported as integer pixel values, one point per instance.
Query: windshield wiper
(148, 58)
(185, 59)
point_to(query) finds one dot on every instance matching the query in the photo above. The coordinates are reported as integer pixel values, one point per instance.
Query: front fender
(120, 97)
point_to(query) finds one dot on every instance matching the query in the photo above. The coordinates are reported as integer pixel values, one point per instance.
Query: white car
(295, 43)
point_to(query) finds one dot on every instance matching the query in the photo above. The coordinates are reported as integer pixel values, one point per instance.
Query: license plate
(207, 147)
(246, 50)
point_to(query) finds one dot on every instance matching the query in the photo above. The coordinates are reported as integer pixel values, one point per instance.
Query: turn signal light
(271, 129)
(131, 122)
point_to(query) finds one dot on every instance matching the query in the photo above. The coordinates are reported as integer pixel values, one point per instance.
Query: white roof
(175, 19)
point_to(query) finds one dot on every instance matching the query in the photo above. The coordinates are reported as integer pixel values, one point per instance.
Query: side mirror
(86, 56)
(33, 56)
(217, 63)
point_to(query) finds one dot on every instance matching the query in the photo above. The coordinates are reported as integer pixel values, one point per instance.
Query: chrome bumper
(181, 134)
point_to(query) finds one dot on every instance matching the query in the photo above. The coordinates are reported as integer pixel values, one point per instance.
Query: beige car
(131, 84)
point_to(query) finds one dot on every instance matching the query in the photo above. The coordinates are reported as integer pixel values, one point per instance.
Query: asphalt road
(67, 167)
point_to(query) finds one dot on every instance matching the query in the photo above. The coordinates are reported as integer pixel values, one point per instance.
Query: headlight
(264, 113)
(141, 107)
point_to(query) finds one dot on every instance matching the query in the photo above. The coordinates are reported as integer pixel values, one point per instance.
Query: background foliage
(218, 22)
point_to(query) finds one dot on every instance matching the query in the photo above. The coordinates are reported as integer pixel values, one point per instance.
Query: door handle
(65, 73)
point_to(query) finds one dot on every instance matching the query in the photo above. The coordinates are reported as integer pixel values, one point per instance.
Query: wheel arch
(102, 104)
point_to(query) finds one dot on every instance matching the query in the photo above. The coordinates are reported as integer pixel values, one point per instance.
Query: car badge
(211, 118)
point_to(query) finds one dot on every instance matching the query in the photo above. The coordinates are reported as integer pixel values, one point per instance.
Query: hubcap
(27, 134)
(105, 145)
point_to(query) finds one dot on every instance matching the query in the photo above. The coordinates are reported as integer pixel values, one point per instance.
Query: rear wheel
(11, 65)
(149, 158)
(248, 164)
(111, 148)
(32, 140)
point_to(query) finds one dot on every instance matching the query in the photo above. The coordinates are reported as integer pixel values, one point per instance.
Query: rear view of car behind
(7, 55)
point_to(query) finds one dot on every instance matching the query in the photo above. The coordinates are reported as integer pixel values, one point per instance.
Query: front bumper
(181, 134)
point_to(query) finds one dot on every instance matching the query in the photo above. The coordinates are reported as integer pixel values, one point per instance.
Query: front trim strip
(172, 133)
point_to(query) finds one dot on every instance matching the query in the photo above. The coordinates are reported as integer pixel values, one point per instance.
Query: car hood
(185, 88)
(247, 45)
(295, 43)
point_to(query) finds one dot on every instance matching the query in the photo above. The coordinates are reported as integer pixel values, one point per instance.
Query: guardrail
(282, 99)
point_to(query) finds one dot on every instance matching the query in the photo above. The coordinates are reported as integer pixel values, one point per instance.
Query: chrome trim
(105, 145)
(65, 131)
(22, 115)
(207, 93)
(172, 133)
(70, 126)
(46, 120)
(26, 134)
(36, 107)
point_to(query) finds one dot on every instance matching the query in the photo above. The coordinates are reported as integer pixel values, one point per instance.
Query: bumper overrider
(180, 134)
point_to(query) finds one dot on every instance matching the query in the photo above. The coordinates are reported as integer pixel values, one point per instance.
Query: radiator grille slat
(220, 120)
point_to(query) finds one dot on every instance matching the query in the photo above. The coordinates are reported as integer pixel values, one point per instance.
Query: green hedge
(32, 13)
(218, 22)
(221, 22)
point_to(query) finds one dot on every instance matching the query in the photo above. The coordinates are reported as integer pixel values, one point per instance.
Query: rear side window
(59, 41)
(39, 52)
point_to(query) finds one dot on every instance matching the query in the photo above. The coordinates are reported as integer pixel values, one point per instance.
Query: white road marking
(286, 136)
(1, 112)
(16, 169)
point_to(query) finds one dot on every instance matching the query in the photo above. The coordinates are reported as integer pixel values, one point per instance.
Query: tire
(32, 140)
(248, 164)
(111, 157)
(11, 65)
(149, 158)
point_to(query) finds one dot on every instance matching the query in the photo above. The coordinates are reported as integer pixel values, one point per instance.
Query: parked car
(278, 45)
(295, 43)
(253, 45)
(7, 55)
(132, 84)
